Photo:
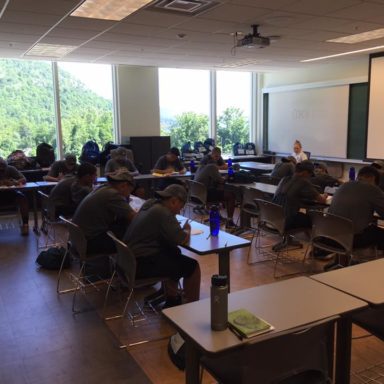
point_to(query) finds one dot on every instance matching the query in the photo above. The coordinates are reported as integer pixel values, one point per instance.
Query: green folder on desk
(246, 324)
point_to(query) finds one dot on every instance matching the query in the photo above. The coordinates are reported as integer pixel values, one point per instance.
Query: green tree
(232, 127)
(189, 126)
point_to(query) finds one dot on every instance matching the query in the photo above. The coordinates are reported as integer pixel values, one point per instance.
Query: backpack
(199, 148)
(250, 149)
(19, 160)
(90, 153)
(105, 155)
(52, 258)
(238, 149)
(243, 177)
(209, 144)
(45, 155)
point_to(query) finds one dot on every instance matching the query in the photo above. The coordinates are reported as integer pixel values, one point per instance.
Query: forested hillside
(27, 114)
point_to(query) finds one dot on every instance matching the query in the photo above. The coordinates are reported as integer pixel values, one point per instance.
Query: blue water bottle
(229, 162)
(352, 174)
(214, 220)
(192, 166)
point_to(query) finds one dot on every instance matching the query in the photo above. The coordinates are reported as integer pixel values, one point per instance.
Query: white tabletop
(286, 305)
(254, 165)
(364, 281)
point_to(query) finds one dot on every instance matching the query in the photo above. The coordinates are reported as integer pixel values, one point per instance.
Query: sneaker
(24, 230)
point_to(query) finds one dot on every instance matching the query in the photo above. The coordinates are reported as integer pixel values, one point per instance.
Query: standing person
(298, 153)
(71, 190)
(214, 158)
(60, 168)
(209, 175)
(10, 176)
(106, 209)
(154, 236)
(167, 165)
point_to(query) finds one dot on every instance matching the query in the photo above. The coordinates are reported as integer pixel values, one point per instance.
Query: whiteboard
(375, 133)
(318, 117)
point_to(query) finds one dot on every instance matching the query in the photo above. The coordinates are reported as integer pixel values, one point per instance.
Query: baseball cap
(379, 164)
(70, 158)
(174, 190)
(119, 152)
(121, 175)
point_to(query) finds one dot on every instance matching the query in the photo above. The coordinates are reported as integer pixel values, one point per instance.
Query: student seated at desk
(285, 167)
(166, 165)
(119, 159)
(322, 179)
(379, 165)
(294, 192)
(106, 209)
(10, 176)
(71, 190)
(60, 168)
(298, 152)
(154, 236)
(214, 158)
(358, 201)
(209, 175)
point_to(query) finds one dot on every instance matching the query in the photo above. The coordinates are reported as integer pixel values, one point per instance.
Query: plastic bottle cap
(219, 280)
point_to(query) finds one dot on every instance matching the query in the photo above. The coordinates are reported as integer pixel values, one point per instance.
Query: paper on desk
(196, 232)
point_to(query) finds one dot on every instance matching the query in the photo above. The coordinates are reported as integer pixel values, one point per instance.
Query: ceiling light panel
(108, 10)
(50, 50)
(359, 37)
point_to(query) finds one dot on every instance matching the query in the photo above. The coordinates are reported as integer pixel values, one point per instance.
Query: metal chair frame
(197, 198)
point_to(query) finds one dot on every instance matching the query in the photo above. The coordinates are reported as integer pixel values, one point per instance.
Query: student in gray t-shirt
(71, 190)
(154, 236)
(358, 201)
(106, 209)
(285, 167)
(214, 158)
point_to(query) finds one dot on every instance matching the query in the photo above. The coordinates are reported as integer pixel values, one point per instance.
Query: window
(233, 109)
(86, 104)
(184, 105)
(27, 114)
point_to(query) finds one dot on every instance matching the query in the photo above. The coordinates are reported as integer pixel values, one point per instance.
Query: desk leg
(35, 217)
(192, 363)
(343, 351)
(224, 268)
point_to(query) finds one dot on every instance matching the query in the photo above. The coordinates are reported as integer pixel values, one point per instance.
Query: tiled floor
(41, 342)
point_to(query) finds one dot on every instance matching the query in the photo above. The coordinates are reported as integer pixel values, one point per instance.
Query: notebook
(246, 324)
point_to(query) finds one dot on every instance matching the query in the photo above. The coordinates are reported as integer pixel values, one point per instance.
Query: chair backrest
(308, 154)
(125, 261)
(197, 192)
(76, 238)
(248, 204)
(267, 179)
(47, 208)
(332, 227)
(272, 215)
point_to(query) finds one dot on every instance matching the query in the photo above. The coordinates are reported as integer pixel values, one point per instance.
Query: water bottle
(192, 166)
(219, 302)
(352, 174)
(214, 220)
(231, 174)
(229, 162)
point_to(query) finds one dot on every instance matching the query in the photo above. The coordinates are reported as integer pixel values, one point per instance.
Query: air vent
(190, 7)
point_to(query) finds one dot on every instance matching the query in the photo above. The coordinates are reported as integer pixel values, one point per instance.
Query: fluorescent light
(359, 37)
(343, 54)
(108, 10)
(50, 50)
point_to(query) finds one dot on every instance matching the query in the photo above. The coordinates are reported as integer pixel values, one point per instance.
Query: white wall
(138, 101)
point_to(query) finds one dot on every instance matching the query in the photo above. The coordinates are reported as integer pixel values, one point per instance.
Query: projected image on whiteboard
(375, 136)
(318, 117)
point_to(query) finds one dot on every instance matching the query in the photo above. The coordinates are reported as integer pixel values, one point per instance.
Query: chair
(125, 269)
(197, 199)
(272, 220)
(268, 179)
(49, 223)
(308, 154)
(77, 248)
(304, 352)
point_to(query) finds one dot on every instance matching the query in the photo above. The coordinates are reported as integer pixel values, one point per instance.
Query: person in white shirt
(298, 153)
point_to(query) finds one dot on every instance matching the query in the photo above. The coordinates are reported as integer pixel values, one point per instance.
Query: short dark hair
(174, 151)
(369, 171)
(86, 169)
(305, 165)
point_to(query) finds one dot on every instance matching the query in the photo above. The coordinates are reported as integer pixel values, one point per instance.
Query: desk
(149, 176)
(241, 158)
(223, 244)
(287, 305)
(257, 168)
(269, 189)
(364, 281)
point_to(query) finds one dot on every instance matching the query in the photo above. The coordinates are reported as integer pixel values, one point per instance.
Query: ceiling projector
(253, 40)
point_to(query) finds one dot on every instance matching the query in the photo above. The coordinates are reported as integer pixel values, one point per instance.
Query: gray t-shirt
(207, 159)
(357, 201)
(294, 191)
(153, 230)
(60, 166)
(113, 165)
(282, 169)
(100, 210)
(162, 163)
(208, 175)
(11, 172)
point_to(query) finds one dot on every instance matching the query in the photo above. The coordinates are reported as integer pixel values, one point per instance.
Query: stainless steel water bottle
(219, 302)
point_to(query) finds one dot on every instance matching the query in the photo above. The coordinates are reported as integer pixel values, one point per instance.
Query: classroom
(169, 73)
